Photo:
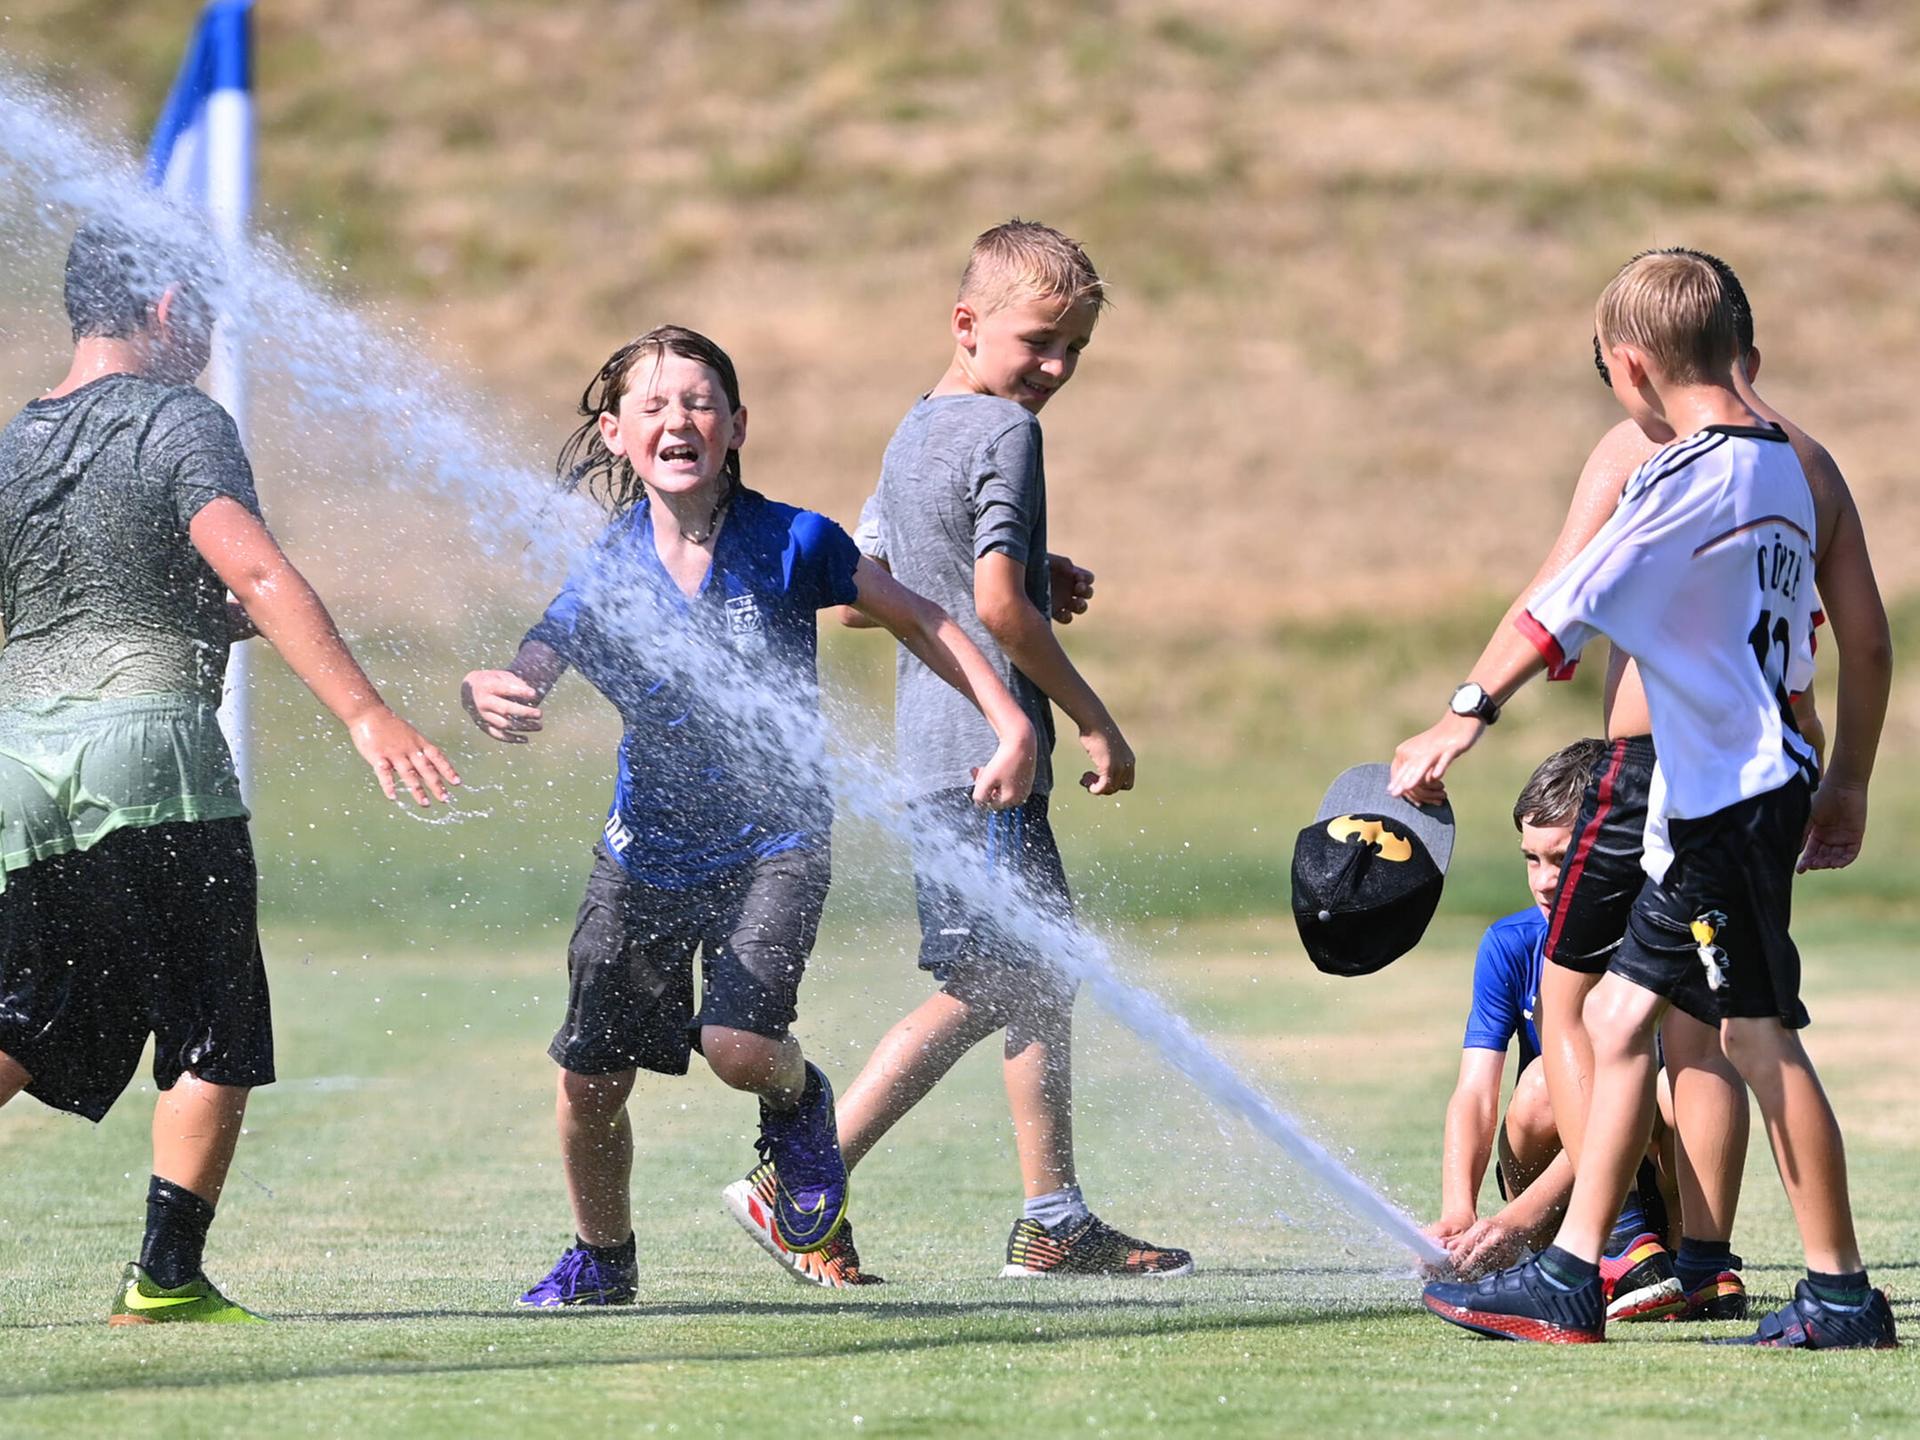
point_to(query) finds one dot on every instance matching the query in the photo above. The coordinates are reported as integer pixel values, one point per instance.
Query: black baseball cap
(1367, 873)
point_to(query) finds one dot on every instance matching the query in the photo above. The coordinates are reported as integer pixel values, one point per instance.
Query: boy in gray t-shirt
(961, 516)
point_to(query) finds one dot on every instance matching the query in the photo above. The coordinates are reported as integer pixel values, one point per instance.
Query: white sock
(1057, 1209)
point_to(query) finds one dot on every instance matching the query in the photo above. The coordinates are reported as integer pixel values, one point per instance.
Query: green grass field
(399, 1185)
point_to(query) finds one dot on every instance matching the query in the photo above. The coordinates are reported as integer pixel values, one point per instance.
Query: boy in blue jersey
(694, 614)
(1533, 1175)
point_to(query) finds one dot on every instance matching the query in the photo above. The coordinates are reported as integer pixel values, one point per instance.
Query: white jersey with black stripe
(1704, 574)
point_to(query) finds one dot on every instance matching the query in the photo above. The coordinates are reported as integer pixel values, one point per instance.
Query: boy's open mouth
(676, 454)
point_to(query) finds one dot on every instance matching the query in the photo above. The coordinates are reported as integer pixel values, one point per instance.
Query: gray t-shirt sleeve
(869, 534)
(1009, 492)
(195, 447)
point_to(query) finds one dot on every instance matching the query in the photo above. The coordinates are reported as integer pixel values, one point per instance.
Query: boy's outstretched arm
(929, 632)
(506, 703)
(1858, 618)
(1000, 600)
(1473, 1114)
(280, 602)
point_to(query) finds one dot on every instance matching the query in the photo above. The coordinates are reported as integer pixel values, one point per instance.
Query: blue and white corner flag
(202, 150)
(202, 158)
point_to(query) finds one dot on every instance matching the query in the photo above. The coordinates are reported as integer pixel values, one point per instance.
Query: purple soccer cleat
(803, 1145)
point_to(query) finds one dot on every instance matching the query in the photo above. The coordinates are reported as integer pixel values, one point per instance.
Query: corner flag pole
(202, 155)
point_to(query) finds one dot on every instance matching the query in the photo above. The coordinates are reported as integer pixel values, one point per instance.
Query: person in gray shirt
(960, 515)
(127, 881)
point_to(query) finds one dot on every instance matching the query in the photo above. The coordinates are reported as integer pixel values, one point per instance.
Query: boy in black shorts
(1719, 526)
(1710, 1108)
(127, 883)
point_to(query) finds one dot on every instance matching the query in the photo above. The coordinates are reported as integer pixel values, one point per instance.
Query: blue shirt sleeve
(820, 562)
(1499, 990)
(559, 625)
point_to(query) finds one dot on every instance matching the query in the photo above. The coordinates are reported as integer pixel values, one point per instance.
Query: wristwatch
(1472, 699)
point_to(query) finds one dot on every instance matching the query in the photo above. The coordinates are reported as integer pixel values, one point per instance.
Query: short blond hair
(1674, 307)
(1025, 260)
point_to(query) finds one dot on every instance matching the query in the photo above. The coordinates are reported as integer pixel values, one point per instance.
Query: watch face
(1468, 699)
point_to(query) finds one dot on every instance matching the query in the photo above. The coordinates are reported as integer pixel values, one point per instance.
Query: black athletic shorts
(1601, 875)
(154, 930)
(961, 942)
(1738, 862)
(630, 963)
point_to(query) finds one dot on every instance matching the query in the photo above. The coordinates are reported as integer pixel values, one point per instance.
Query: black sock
(1566, 1270)
(177, 1221)
(1840, 1289)
(620, 1255)
(1699, 1261)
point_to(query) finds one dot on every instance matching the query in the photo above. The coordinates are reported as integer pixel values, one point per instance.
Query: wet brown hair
(1552, 793)
(585, 461)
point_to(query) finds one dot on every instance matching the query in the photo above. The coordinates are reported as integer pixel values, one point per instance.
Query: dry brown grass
(1354, 247)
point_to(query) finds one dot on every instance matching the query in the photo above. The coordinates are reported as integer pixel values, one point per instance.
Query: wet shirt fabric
(1506, 985)
(963, 477)
(102, 592)
(722, 756)
(116, 629)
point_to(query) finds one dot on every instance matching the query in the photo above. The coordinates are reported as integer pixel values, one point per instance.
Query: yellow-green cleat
(141, 1302)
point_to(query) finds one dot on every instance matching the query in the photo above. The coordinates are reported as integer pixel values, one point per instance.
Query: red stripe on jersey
(1542, 639)
(1583, 846)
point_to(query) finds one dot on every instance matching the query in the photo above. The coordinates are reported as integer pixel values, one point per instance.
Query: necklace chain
(713, 522)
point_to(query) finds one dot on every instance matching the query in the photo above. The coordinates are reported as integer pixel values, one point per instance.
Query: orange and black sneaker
(1087, 1247)
(1724, 1297)
(835, 1266)
(1638, 1283)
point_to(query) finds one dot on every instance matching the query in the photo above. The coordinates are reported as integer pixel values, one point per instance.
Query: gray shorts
(630, 998)
(964, 946)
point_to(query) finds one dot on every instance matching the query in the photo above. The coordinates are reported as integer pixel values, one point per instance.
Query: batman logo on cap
(1387, 842)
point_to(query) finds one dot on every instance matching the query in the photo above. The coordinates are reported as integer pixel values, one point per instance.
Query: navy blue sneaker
(1807, 1322)
(579, 1279)
(1521, 1303)
(803, 1145)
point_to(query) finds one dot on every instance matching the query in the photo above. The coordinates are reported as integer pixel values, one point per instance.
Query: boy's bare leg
(1527, 1138)
(1806, 1139)
(1567, 1051)
(596, 1149)
(1711, 1121)
(196, 1126)
(1620, 1019)
(1039, 1077)
(907, 1063)
(775, 1070)
(13, 1077)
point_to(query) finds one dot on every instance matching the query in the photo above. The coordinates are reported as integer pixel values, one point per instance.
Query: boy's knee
(742, 1060)
(596, 1094)
(1530, 1113)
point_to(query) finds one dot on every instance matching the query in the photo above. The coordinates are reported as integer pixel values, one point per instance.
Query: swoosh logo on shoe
(137, 1300)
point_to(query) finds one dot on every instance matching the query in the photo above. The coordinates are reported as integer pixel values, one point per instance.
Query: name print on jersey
(1779, 566)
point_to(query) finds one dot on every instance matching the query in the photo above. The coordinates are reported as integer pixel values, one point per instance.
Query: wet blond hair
(1676, 309)
(1025, 260)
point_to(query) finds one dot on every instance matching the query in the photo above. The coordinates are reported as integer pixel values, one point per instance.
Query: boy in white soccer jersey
(1704, 576)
